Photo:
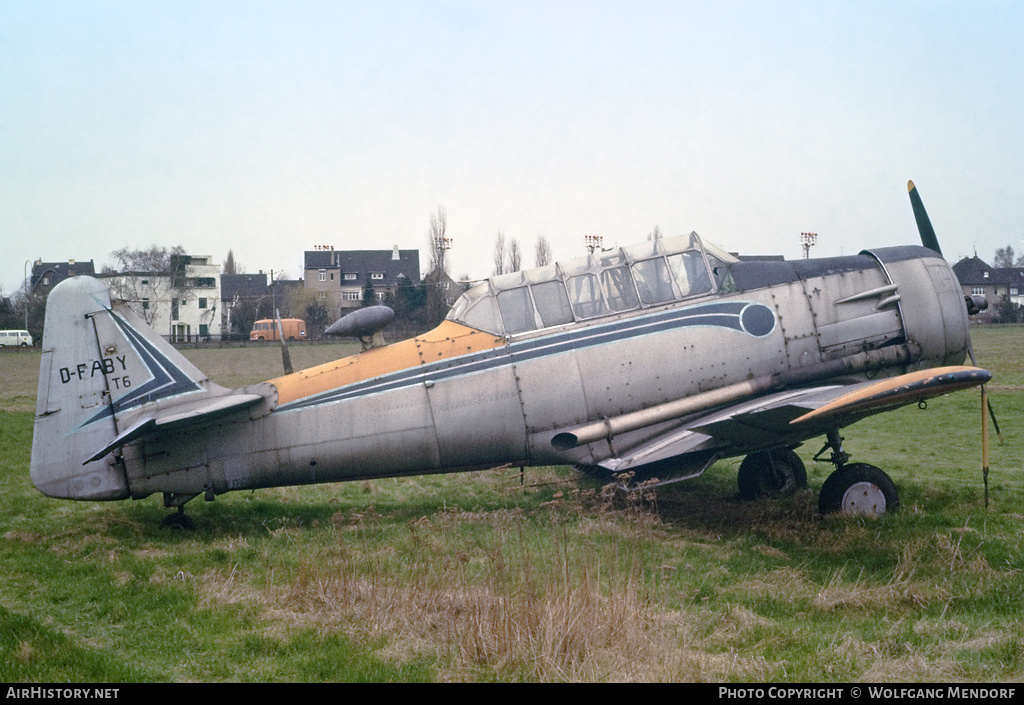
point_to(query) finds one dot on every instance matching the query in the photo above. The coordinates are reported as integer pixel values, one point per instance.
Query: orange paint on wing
(902, 389)
(448, 340)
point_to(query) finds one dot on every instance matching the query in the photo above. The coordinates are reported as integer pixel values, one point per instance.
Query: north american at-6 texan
(639, 364)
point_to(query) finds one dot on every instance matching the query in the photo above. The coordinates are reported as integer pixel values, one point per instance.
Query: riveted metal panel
(479, 418)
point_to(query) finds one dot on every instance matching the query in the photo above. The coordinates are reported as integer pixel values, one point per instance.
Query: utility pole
(26, 293)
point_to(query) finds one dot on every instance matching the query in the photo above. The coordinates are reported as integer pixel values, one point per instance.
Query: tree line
(417, 307)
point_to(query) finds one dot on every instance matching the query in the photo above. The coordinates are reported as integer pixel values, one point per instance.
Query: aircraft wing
(784, 418)
(872, 397)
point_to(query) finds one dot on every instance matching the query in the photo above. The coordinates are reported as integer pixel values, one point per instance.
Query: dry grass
(500, 599)
(686, 585)
(499, 594)
(577, 593)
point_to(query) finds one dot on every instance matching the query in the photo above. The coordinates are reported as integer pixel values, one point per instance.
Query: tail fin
(103, 375)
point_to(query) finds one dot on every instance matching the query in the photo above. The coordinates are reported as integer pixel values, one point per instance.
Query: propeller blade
(924, 225)
(995, 421)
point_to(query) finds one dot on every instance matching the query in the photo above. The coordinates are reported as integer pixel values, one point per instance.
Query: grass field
(494, 576)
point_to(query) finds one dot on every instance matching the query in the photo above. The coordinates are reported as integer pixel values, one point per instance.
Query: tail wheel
(773, 473)
(858, 489)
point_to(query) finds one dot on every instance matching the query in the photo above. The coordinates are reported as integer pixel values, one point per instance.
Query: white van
(15, 338)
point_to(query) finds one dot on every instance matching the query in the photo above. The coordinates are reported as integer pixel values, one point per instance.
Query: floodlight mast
(442, 244)
(593, 242)
(808, 240)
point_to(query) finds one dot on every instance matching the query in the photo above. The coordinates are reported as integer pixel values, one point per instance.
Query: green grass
(482, 577)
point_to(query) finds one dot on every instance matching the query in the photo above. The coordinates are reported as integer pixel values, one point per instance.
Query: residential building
(180, 304)
(246, 298)
(1003, 288)
(341, 278)
(46, 275)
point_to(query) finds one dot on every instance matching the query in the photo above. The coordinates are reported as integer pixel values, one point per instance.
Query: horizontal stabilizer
(206, 410)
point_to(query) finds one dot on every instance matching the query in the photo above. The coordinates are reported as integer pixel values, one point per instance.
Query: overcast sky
(268, 128)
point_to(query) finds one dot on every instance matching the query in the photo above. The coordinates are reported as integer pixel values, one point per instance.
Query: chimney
(394, 254)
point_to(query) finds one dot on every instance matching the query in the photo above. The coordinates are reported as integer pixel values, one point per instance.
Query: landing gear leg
(835, 443)
(855, 488)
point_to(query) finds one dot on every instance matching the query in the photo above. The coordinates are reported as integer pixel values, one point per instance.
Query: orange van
(266, 329)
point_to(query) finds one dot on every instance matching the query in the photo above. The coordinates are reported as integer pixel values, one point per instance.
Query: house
(181, 303)
(341, 278)
(246, 298)
(242, 298)
(1003, 288)
(46, 275)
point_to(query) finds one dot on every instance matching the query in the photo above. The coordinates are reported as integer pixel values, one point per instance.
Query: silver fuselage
(505, 403)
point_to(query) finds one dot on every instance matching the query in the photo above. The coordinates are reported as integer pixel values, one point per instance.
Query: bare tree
(1005, 258)
(141, 271)
(437, 279)
(542, 253)
(155, 259)
(439, 241)
(499, 253)
(515, 256)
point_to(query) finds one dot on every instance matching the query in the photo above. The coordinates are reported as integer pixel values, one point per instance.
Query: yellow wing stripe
(448, 340)
(903, 389)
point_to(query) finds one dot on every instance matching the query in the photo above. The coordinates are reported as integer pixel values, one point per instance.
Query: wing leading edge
(898, 391)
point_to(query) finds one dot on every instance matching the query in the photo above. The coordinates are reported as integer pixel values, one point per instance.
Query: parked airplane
(648, 362)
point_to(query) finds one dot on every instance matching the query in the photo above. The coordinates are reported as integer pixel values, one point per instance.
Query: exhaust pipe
(607, 428)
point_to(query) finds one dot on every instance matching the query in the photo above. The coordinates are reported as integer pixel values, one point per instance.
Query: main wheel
(773, 473)
(179, 521)
(858, 489)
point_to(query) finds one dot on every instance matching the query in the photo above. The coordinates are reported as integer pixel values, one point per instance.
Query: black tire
(858, 489)
(178, 522)
(774, 473)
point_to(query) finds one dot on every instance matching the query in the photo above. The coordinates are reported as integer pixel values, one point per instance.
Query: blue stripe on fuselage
(734, 315)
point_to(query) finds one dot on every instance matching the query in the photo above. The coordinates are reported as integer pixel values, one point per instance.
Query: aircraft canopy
(603, 283)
